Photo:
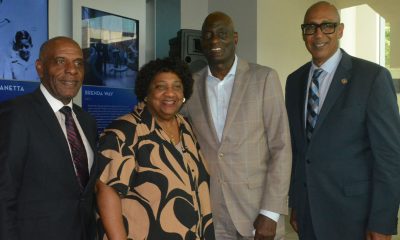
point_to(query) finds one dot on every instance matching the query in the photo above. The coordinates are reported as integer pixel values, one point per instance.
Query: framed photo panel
(110, 45)
(23, 29)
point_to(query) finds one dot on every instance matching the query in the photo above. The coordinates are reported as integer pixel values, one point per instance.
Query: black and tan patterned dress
(164, 189)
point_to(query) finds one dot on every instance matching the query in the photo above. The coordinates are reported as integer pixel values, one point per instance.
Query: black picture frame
(110, 45)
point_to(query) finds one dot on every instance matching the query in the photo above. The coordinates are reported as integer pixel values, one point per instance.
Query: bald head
(325, 6)
(218, 43)
(214, 17)
(54, 42)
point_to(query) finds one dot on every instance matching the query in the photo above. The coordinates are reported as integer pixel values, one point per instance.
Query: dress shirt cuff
(274, 216)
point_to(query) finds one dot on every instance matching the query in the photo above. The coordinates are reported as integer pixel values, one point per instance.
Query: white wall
(348, 17)
(150, 30)
(60, 14)
(279, 41)
(193, 13)
(368, 32)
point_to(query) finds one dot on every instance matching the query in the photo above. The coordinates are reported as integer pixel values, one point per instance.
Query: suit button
(305, 184)
(308, 161)
(221, 155)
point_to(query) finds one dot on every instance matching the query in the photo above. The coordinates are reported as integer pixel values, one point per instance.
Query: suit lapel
(49, 119)
(206, 104)
(336, 88)
(302, 97)
(242, 78)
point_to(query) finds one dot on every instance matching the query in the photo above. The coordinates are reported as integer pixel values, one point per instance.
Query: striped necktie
(78, 151)
(313, 103)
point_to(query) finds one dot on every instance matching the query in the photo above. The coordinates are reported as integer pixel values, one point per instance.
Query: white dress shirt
(219, 93)
(56, 105)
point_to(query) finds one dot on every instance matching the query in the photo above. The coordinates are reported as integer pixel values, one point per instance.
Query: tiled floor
(291, 235)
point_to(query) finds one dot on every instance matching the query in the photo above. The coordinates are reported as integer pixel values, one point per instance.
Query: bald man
(48, 181)
(239, 117)
(345, 130)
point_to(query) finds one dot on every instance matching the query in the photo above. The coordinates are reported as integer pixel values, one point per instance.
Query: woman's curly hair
(148, 71)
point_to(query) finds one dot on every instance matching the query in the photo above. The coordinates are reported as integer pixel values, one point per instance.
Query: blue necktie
(78, 151)
(313, 103)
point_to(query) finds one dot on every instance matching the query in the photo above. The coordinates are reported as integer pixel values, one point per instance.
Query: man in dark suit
(47, 189)
(345, 130)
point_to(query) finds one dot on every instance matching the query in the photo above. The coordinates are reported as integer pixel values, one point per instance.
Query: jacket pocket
(255, 183)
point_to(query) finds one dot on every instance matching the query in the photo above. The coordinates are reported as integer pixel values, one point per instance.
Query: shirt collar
(232, 71)
(55, 104)
(331, 64)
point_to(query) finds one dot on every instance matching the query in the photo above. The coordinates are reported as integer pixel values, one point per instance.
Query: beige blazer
(252, 163)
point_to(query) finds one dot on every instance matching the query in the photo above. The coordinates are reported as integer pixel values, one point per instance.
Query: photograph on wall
(23, 28)
(110, 47)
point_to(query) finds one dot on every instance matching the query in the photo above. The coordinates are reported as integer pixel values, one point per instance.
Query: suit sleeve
(383, 124)
(288, 106)
(184, 111)
(278, 137)
(13, 148)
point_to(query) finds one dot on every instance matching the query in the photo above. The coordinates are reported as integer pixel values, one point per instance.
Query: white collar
(232, 71)
(55, 104)
(331, 64)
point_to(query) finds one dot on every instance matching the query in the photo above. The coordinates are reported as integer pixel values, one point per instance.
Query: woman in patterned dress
(154, 183)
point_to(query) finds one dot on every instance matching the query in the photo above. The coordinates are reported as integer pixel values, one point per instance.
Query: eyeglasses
(311, 28)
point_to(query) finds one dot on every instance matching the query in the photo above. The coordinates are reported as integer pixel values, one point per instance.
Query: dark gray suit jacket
(350, 170)
(41, 198)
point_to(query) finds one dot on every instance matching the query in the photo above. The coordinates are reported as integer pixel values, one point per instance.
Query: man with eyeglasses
(345, 130)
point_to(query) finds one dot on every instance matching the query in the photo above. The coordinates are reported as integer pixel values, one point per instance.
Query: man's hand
(377, 236)
(265, 228)
(293, 220)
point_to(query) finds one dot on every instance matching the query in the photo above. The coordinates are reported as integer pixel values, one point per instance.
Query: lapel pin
(344, 81)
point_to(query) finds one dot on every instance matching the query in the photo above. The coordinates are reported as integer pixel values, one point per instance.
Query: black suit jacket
(41, 198)
(350, 170)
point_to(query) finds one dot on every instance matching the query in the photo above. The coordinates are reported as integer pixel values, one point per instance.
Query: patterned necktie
(78, 151)
(313, 103)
